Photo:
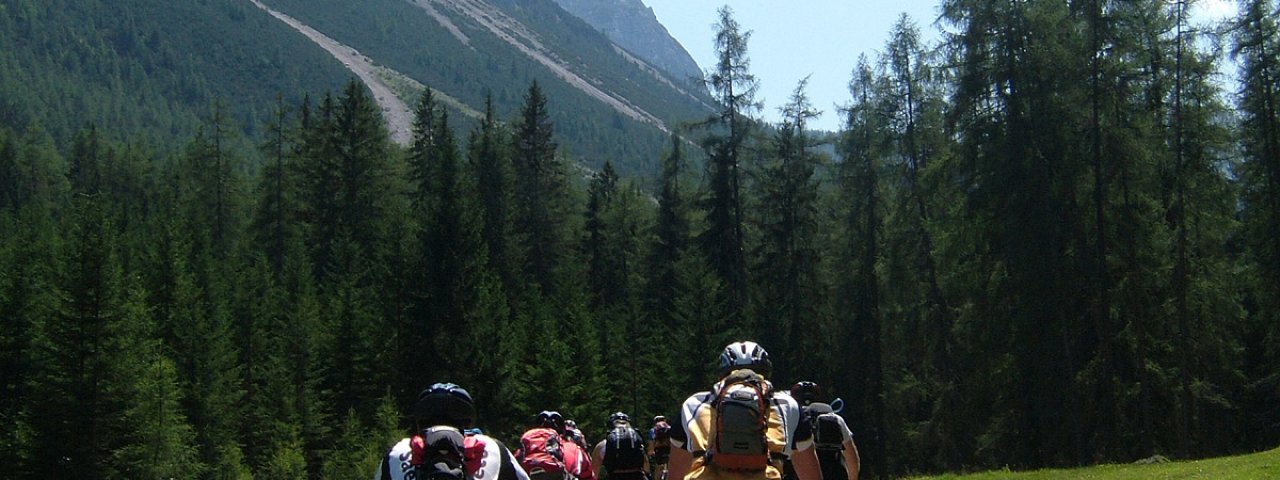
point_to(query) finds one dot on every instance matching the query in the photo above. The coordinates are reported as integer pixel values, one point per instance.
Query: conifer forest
(1051, 238)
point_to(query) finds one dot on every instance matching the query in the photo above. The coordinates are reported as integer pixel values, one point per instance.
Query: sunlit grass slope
(1257, 466)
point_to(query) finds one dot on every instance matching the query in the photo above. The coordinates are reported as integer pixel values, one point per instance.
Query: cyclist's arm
(852, 462)
(681, 462)
(806, 464)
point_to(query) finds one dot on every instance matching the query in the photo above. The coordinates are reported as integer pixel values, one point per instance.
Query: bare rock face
(633, 26)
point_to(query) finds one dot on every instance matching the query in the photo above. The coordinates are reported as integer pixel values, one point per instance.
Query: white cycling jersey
(495, 462)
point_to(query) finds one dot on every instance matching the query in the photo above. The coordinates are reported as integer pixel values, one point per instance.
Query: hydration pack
(828, 433)
(623, 450)
(541, 452)
(828, 439)
(438, 454)
(740, 421)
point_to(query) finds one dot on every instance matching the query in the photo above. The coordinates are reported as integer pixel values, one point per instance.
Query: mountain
(633, 26)
(153, 69)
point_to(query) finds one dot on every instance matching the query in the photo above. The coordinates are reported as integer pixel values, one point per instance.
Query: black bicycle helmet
(806, 392)
(618, 417)
(551, 419)
(445, 404)
(745, 354)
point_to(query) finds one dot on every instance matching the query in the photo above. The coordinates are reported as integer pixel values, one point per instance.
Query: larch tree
(723, 241)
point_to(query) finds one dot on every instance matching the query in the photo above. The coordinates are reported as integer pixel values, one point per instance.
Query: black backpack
(827, 431)
(441, 454)
(624, 450)
(828, 439)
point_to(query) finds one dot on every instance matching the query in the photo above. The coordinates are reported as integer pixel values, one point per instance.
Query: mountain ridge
(157, 67)
(633, 26)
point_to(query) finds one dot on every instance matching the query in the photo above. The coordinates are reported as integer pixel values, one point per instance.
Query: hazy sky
(818, 38)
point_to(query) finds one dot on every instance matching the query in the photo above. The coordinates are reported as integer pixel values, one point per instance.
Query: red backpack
(541, 452)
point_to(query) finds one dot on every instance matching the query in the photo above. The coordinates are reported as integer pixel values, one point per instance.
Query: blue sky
(817, 38)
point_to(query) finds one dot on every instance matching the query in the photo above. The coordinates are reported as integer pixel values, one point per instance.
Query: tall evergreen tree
(1257, 47)
(78, 353)
(275, 222)
(787, 256)
(1019, 86)
(1200, 215)
(913, 107)
(158, 442)
(491, 165)
(541, 194)
(668, 249)
(724, 240)
(856, 287)
(457, 265)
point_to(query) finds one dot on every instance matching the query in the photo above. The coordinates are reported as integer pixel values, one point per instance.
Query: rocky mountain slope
(633, 26)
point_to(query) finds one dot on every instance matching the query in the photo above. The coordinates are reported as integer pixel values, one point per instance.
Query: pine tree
(490, 169)
(1200, 215)
(200, 335)
(1020, 82)
(541, 194)
(212, 193)
(1257, 47)
(857, 284)
(786, 215)
(275, 218)
(457, 264)
(29, 244)
(417, 332)
(491, 165)
(912, 103)
(724, 241)
(614, 222)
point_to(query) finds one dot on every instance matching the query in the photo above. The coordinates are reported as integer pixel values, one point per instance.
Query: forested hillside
(154, 69)
(1057, 244)
(147, 70)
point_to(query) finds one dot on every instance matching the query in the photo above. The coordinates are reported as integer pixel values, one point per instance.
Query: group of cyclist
(740, 429)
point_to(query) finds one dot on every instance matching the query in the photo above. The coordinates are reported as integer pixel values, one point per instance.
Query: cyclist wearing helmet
(571, 430)
(439, 448)
(621, 455)
(833, 441)
(547, 452)
(719, 436)
(659, 448)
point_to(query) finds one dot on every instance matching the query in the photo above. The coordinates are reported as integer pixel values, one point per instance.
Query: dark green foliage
(785, 213)
(77, 355)
(129, 64)
(723, 241)
(855, 255)
(1257, 47)
(541, 193)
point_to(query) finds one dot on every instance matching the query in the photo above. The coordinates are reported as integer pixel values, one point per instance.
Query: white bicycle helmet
(745, 354)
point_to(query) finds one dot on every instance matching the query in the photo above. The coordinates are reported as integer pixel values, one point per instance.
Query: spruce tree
(75, 353)
(541, 194)
(158, 443)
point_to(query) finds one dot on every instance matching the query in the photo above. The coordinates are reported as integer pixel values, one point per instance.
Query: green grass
(1264, 465)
